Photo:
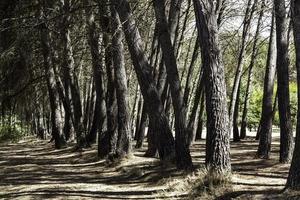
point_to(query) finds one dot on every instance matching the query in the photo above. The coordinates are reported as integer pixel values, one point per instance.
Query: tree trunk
(236, 132)
(282, 65)
(124, 136)
(72, 79)
(138, 116)
(190, 72)
(250, 73)
(143, 70)
(293, 180)
(142, 128)
(217, 140)
(110, 137)
(265, 131)
(183, 157)
(98, 74)
(151, 138)
(198, 96)
(241, 59)
(200, 119)
(57, 135)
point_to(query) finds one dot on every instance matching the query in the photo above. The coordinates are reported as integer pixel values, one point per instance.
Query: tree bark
(198, 95)
(50, 79)
(239, 69)
(293, 180)
(236, 132)
(183, 157)
(124, 136)
(265, 131)
(72, 79)
(143, 70)
(200, 119)
(217, 157)
(98, 74)
(250, 73)
(282, 65)
(142, 128)
(110, 137)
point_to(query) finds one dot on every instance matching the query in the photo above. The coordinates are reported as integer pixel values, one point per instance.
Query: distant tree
(265, 131)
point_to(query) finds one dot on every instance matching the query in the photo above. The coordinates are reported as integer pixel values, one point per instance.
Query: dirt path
(32, 169)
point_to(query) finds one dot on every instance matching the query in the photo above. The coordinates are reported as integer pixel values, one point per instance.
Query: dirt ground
(32, 169)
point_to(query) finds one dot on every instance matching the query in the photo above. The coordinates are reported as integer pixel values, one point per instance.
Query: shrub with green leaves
(10, 133)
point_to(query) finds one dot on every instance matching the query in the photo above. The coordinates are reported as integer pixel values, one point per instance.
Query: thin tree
(241, 59)
(265, 131)
(254, 54)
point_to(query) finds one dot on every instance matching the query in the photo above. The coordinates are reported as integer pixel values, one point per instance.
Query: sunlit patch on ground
(34, 170)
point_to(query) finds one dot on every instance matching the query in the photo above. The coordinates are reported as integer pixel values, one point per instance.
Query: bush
(10, 133)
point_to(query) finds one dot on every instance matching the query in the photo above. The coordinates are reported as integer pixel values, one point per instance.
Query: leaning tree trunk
(183, 157)
(293, 180)
(282, 65)
(98, 74)
(165, 140)
(52, 91)
(218, 134)
(124, 136)
(265, 131)
(250, 73)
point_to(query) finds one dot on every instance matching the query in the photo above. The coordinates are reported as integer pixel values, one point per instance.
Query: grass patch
(198, 185)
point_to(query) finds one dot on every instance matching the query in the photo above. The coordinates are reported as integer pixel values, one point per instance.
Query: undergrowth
(199, 185)
(10, 134)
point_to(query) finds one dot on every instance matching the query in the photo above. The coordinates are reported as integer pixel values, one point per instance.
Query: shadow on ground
(32, 169)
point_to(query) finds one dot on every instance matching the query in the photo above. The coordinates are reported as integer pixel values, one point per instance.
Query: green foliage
(255, 106)
(11, 133)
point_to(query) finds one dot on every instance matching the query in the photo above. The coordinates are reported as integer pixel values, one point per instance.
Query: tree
(123, 139)
(98, 74)
(293, 180)
(57, 135)
(165, 141)
(241, 60)
(71, 76)
(107, 143)
(217, 157)
(183, 157)
(282, 66)
(255, 50)
(265, 131)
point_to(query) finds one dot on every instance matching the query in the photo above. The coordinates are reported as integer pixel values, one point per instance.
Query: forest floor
(32, 169)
